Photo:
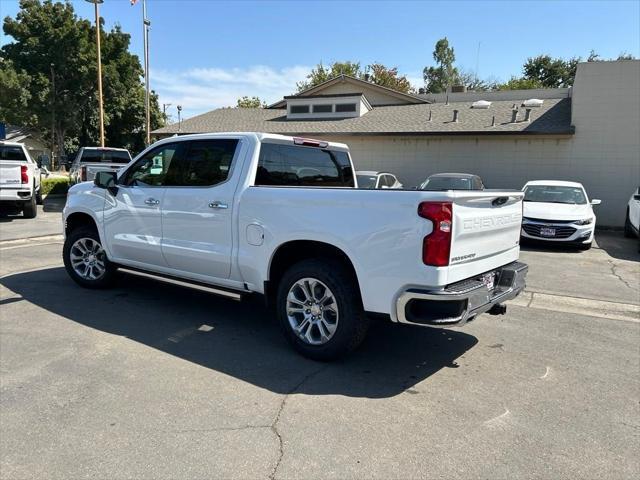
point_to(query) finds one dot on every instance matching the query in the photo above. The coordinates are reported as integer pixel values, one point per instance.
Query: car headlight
(586, 221)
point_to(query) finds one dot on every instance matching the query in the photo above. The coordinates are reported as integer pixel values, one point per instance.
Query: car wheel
(39, 196)
(628, 228)
(30, 209)
(320, 310)
(85, 260)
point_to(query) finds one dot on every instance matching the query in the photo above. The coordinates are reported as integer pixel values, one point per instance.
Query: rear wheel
(628, 228)
(319, 309)
(39, 196)
(85, 259)
(30, 209)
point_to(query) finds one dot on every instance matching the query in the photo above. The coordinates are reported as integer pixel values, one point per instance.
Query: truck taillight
(436, 246)
(83, 174)
(310, 142)
(24, 176)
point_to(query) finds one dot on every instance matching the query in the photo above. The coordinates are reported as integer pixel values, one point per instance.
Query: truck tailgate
(10, 174)
(93, 168)
(486, 226)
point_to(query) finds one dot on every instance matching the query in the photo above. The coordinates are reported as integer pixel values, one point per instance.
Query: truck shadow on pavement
(239, 339)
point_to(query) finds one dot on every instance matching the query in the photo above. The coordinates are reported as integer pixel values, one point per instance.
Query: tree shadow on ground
(241, 339)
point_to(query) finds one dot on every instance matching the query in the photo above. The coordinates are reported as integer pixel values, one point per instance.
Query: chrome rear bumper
(460, 302)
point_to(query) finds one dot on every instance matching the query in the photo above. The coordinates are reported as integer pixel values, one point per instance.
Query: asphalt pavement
(150, 380)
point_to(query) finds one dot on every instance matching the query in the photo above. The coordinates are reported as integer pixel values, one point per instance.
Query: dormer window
(323, 108)
(299, 109)
(346, 105)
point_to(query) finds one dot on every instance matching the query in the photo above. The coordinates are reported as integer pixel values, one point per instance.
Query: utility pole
(53, 114)
(164, 111)
(146, 24)
(95, 3)
(179, 107)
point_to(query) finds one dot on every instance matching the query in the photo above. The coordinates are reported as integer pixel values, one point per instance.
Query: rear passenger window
(206, 163)
(288, 165)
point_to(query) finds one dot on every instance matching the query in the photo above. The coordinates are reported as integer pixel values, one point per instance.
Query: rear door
(132, 218)
(485, 224)
(197, 210)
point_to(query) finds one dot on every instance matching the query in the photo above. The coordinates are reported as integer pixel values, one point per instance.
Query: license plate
(489, 280)
(548, 232)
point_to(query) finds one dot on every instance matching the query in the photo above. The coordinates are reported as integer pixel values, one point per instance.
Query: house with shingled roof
(589, 133)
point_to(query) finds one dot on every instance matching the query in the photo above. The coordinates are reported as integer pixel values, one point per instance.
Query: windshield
(366, 181)
(105, 156)
(447, 183)
(12, 152)
(555, 194)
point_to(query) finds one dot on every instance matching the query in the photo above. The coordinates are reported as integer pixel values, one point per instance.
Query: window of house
(299, 108)
(288, 165)
(345, 107)
(323, 108)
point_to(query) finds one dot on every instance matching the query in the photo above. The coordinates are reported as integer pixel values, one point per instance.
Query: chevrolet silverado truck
(256, 213)
(19, 179)
(95, 159)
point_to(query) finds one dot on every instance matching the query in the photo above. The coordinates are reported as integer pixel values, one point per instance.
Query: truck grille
(561, 232)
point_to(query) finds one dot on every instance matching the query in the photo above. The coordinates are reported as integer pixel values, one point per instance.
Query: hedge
(54, 185)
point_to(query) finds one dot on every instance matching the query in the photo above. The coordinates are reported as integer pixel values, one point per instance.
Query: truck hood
(81, 187)
(556, 211)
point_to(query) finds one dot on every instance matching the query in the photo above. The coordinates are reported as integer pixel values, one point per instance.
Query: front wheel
(628, 228)
(85, 259)
(320, 310)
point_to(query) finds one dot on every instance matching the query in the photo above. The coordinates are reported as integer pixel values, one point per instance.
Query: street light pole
(179, 107)
(146, 23)
(95, 3)
(164, 111)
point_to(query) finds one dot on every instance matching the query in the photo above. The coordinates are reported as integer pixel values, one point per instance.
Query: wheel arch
(79, 219)
(294, 251)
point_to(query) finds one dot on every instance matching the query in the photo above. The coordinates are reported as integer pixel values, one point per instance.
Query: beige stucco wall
(374, 96)
(503, 162)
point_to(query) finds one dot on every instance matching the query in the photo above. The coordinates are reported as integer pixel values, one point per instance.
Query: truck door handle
(218, 205)
(152, 201)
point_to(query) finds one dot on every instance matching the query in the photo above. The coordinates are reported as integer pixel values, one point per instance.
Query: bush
(54, 185)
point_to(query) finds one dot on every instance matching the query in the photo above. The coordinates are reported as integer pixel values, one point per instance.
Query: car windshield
(366, 181)
(555, 194)
(12, 152)
(105, 156)
(447, 183)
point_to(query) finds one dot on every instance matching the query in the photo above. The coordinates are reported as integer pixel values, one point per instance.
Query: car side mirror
(596, 201)
(106, 180)
(39, 162)
(636, 197)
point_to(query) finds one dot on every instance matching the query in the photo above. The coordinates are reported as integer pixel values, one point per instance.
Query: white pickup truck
(95, 159)
(19, 179)
(266, 214)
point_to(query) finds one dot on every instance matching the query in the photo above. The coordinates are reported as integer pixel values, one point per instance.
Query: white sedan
(557, 211)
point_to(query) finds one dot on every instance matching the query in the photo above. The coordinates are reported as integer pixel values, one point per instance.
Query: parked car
(19, 179)
(370, 179)
(632, 220)
(556, 211)
(452, 181)
(94, 159)
(235, 214)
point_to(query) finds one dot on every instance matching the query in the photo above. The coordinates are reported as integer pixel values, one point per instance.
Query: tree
(321, 74)
(388, 77)
(445, 74)
(518, 83)
(551, 72)
(55, 52)
(14, 94)
(251, 102)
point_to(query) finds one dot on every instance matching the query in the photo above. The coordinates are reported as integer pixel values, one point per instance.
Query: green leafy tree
(445, 74)
(388, 77)
(55, 52)
(251, 102)
(321, 74)
(518, 83)
(14, 93)
(551, 72)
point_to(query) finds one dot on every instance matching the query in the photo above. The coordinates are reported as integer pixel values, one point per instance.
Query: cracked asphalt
(150, 380)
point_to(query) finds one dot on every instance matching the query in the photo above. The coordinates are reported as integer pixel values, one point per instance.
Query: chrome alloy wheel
(312, 311)
(88, 259)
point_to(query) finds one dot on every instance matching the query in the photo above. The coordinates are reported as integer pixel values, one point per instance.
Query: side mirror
(106, 180)
(39, 162)
(636, 197)
(596, 201)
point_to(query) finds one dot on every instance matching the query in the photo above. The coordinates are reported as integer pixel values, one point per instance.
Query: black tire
(39, 196)
(30, 209)
(352, 322)
(103, 281)
(628, 228)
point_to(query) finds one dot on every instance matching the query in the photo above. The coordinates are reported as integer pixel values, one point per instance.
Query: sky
(207, 53)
